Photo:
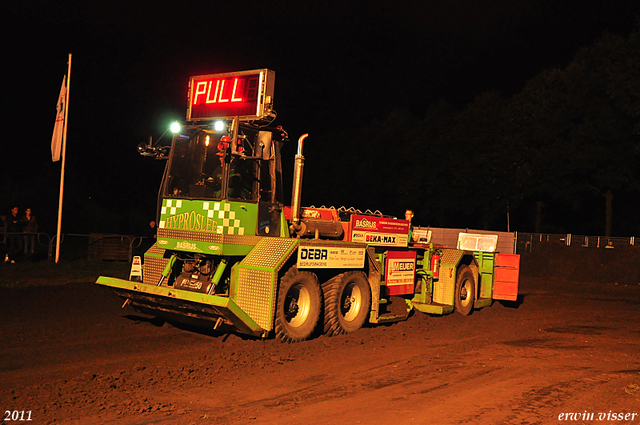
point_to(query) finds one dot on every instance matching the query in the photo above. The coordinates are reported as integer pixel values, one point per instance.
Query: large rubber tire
(298, 306)
(465, 291)
(347, 301)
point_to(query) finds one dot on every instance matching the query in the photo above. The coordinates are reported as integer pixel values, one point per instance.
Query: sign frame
(203, 106)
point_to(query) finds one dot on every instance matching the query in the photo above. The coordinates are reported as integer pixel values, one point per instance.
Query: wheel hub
(464, 293)
(352, 302)
(299, 305)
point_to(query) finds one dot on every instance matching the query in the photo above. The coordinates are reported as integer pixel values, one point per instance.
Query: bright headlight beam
(219, 125)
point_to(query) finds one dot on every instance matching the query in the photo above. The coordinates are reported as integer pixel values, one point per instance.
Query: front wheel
(465, 291)
(347, 303)
(298, 306)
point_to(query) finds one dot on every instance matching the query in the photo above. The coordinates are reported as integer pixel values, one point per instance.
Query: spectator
(408, 215)
(150, 236)
(30, 228)
(14, 226)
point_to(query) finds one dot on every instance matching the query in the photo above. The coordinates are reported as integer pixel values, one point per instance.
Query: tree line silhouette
(559, 156)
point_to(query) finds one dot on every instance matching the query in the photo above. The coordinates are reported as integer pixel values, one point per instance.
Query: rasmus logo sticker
(186, 245)
(366, 224)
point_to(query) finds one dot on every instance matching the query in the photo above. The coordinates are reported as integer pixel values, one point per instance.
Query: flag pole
(64, 157)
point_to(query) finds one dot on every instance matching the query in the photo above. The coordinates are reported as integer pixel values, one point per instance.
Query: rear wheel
(347, 300)
(465, 291)
(298, 305)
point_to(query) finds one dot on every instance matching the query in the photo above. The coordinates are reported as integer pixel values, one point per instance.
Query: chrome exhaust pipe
(296, 195)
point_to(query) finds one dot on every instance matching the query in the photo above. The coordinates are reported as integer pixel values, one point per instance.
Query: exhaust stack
(296, 195)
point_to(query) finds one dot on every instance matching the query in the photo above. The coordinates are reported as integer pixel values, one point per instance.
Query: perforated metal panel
(444, 287)
(154, 264)
(269, 252)
(257, 275)
(256, 295)
(208, 237)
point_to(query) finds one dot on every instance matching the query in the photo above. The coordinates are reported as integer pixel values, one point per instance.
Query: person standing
(14, 226)
(30, 228)
(408, 215)
(151, 236)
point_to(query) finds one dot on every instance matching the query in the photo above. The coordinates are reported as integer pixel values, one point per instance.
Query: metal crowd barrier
(42, 240)
(94, 246)
(526, 242)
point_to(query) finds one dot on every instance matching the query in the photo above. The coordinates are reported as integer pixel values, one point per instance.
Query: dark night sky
(337, 64)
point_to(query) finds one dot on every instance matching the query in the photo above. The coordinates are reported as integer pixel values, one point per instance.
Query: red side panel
(508, 260)
(506, 277)
(400, 273)
(346, 226)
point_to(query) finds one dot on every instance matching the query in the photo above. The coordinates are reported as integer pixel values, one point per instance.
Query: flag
(56, 140)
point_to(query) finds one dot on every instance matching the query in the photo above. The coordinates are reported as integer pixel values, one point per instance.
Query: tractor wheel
(298, 306)
(347, 300)
(465, 291)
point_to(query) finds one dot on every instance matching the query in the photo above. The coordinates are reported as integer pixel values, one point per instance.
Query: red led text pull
(220, 95)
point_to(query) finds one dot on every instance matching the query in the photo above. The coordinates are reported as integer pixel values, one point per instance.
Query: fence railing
(526, 242)
(42, 242)
(115, 247)
(94, 246)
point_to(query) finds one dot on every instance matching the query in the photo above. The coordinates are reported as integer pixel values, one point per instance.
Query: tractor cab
(222, 179)
(203, 165)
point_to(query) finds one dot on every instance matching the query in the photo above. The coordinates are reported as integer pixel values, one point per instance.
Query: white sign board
(477, 242)
(330, 257)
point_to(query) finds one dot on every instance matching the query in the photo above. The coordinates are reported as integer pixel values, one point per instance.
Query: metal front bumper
(173, 303)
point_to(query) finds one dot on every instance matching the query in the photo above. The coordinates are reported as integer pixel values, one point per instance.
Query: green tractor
(231, 256)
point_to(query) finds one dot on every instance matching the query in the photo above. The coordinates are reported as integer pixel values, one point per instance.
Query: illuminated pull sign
(246, 94)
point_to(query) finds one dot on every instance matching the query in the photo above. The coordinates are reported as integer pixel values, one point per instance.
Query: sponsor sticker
(374, 230)
(400, 272)
(186, 245)
(330, 257)
(374, 238)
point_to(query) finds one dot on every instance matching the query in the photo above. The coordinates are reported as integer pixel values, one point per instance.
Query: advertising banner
(331, 257)
(374, 230)
(400, 272)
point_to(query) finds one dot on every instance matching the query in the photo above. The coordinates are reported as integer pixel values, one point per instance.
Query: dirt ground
(569, 346)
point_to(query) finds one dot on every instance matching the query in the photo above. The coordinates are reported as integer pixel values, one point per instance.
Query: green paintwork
(197, 217)
(196, 300)
(284, 226)
(485, 269)
(433, 308)
(254, 280)
(390, 318)
(222, 217)
(424, 273)
(219, 271)
(449, 264)
(167, 269)
(250, 303)
(482, 302)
